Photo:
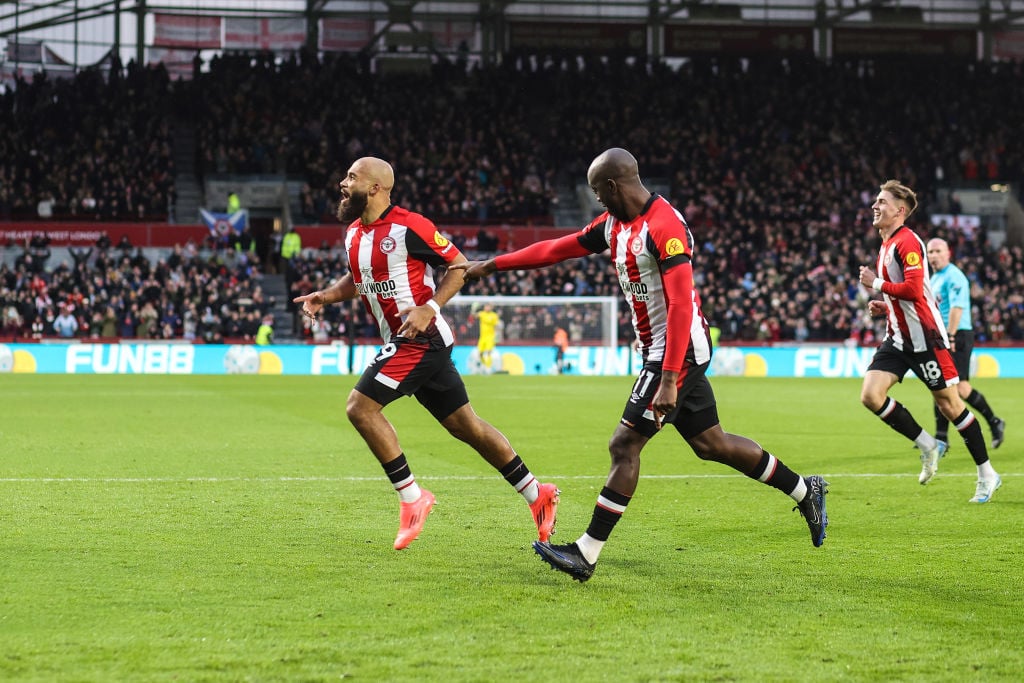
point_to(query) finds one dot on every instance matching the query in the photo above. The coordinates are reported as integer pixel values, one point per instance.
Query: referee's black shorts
(964, 341)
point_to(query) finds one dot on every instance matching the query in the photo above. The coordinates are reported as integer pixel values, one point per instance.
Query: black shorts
(695, 411)
(962, 356)
(934, 367)
(410, 368)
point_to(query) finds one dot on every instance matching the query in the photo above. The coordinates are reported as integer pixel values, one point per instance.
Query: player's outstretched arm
(537, 255)
(474, 270)
(313, 303)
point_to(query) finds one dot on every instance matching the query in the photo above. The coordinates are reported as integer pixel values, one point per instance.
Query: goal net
(532, 320)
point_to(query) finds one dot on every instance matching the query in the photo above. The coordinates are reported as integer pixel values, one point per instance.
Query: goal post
(532, 320)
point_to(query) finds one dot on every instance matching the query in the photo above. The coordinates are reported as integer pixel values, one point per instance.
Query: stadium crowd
(462, 151)
(88, 148)
(110, 292)
(774, 163)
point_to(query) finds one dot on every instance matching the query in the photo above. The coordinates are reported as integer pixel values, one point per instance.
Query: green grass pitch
(237, 529)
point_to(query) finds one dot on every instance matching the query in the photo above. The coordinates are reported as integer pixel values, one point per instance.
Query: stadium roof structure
(121, 23)
(34, 14)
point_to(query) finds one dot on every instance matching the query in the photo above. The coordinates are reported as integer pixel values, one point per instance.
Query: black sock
(941, 425)
(607, 513)
(977, 401)
(399, 473)
(772, 471)
(899, 418)
(517, 474)
(971, 432)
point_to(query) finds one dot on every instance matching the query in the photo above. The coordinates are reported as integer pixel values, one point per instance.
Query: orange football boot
(544, 510)
(411, 518)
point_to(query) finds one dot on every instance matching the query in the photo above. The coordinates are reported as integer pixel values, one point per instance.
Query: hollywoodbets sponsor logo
(385, 290)
(638, 290)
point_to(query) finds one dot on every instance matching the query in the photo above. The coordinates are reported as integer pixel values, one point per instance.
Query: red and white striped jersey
(914, 322)
(388, 260)
(641, 249)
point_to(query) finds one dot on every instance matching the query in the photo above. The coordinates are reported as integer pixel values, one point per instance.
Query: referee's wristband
(433, 304)
(877, 284)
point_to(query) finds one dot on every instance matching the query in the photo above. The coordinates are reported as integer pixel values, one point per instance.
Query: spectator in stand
(108, 323)
(65, 325)
(265, 334)
(244, 245)
(12, 322)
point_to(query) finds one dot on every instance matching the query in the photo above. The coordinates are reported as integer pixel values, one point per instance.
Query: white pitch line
(275, 480)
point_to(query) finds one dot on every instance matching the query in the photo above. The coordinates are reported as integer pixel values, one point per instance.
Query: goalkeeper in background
(489, 321)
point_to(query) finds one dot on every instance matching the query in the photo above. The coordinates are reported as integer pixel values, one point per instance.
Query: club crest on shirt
(888, 258)
(636, 246)
(388, 244)
(674, 247)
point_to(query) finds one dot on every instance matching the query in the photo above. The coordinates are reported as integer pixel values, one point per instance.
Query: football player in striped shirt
(652, 250)
(389, 251)
(915, 340)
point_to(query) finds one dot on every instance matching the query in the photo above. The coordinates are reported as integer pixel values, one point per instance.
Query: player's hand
(474, 270)
(415, 320)
(867, 276)
(877, 308)
(312, 305)
(664, 401)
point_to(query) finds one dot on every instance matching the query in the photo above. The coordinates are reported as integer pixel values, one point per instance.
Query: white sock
(925, 441)
(985, 471)
(531, 490)
(410, 493)
(590, 547)
(800, 491)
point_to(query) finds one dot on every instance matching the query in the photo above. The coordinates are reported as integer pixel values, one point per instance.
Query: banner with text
(186, 31)
(86, 233)
(338, 359)
(577, 37)
(714, 39)
(899, 41)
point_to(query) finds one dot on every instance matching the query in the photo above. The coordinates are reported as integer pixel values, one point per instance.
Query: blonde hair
(901, 192)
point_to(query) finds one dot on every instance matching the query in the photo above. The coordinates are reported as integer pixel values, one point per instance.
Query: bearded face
(352, 206)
